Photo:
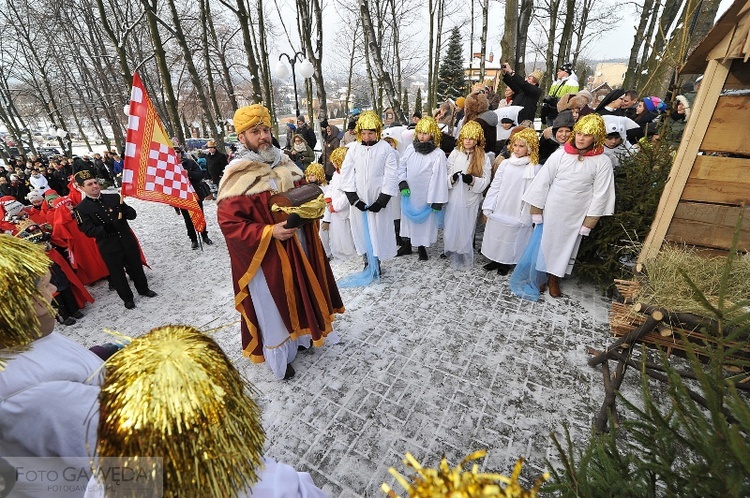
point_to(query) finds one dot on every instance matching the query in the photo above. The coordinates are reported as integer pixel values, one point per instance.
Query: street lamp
(305, 71)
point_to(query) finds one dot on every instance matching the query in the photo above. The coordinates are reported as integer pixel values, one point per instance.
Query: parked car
(195, 143)
(49, 151)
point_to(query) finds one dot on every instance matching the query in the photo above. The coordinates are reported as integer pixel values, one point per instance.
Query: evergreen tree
(451, 77)
(418, 102)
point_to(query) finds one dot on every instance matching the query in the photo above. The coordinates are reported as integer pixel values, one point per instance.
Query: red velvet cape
(304, 290)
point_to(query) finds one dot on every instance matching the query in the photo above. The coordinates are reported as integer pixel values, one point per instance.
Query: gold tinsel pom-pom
(472, 130)
(338, 155)
(22, 265)
(459, 482)
(174, 394)
(369, 120)
(428, 124)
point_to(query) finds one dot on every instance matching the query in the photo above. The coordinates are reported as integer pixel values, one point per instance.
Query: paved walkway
(431, 361)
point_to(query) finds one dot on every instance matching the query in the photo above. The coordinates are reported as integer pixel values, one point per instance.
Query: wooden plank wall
(718, 187)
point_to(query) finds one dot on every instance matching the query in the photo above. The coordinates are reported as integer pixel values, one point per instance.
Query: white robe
(425, 174)
(569, 190)
(49, 400)
(462, 209)
(276, 480)
(508, 219)
(340, 230)
(370, 171)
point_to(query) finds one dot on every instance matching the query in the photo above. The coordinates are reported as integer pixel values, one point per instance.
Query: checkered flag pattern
(164, 174)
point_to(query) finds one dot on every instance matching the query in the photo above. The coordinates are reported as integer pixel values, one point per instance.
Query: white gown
(370, 171)
(508, 219)
(49, 400)
(462, 209)
(425, 174)
(569, 190)
(340, 230)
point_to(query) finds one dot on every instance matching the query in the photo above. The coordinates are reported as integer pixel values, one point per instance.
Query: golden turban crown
(428, 125)
(249, 116)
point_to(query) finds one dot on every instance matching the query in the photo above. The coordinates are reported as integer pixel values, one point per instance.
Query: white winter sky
(614, 44)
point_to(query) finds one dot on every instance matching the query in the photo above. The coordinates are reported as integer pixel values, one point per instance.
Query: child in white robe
(508, 218)
(422, 184)
(468, 176)
(337, 212)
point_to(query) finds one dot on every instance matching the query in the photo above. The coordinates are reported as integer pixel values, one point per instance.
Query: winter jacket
(331, 143)
(525, 95)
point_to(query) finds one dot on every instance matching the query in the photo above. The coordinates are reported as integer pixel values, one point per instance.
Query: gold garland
(310, 210)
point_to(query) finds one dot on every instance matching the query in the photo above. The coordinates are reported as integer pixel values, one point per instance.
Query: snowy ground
(431, 361)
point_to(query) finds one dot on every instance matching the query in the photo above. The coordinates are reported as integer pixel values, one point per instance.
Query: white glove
(537, 219)
(585, 231)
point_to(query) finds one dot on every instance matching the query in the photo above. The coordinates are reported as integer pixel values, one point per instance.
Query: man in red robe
(284, 287)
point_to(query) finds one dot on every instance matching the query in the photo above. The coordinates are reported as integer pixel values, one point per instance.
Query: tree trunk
(647, 45)
(221, 58)
(638, 41)
(566, 37)
(351, 72)
(524, 21)
(554, 5)
(509, 39)
(384, 79)
(217, 126)
(173, 124)
(265, 70)
(240, 11)
(483, 39)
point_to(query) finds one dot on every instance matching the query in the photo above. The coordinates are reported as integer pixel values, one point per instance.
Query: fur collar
(251, 177)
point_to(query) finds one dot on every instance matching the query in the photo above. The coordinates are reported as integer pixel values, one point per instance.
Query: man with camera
(566, 82)
(526, 91)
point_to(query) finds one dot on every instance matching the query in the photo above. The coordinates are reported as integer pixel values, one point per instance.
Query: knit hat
(685, 103)
(249, 116)
(586, 95)
(35, 196)
(61, 201)
(563, 120)
(429, 125)
(173, 394)
(83, 175)
(460, 102)
(23, 264)
(537, 75)
(10, 205)
(654, 104)
(369, 120)
(567, 67)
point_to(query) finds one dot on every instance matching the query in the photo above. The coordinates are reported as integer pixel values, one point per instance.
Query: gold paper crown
(316, 170)
(249, 116)
(529, 136)
(174, 394)
(81, 176)
(338, 155)
(23, 264)
(428, 125)
(472, 130)
(590, 124)
(368, 120)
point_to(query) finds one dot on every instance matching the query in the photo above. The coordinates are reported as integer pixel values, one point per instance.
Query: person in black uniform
(98, 217)
(195, 175)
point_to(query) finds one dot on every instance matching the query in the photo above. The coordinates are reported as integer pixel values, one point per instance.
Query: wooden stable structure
(709, 184)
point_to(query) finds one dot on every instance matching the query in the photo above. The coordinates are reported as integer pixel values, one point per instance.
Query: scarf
(524, 162)
(247, 154)
(424, 148)
(571, 149)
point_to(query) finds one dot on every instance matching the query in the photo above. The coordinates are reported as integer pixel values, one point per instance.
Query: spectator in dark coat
(195, 175)
(307, 133)
(647, 111)
(526, 92)
(216, 161)
(331, 142)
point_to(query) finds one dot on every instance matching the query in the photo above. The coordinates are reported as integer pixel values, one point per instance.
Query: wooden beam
(708, 225)
(695, 129)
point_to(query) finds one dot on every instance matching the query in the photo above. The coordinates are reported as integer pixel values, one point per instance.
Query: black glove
(360, 205)
(467, 178)
(437, 206)
(380, 203)
(375, 207)
(455, 176)
(353, 197)
(110, 229)
(402, 185)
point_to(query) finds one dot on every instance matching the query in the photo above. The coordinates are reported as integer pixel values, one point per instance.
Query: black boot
(492, 265)
(206, 240)
(397, 226)
(194, 245)
(405, 248)
(503, 269)
(422, 250)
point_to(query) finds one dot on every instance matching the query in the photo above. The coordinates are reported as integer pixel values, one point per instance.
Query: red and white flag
(151, 170)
